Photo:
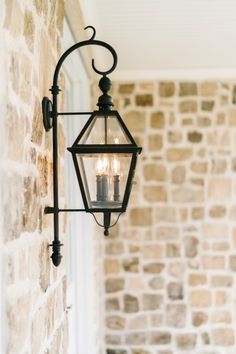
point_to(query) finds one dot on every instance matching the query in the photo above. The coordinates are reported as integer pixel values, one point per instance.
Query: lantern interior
(104, 177)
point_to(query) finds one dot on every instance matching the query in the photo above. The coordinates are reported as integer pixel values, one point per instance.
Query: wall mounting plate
(47, 113)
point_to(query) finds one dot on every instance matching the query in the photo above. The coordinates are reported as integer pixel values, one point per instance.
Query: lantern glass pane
(104, 178)
(105, 129)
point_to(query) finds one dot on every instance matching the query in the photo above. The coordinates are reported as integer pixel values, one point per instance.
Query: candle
(102, 179)
(116, 179)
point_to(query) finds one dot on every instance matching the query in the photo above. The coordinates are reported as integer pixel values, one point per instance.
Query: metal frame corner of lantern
(104, 153)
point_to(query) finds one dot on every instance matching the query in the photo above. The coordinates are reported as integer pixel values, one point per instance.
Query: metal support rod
(73, 113)
(56, 245)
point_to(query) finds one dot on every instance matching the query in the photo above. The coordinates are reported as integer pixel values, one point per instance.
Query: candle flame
(102, 165)
(115, 166)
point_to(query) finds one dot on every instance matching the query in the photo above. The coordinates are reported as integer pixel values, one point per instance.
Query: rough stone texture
(34, 291)
(130, 304)
(176, 245)
(179, 238)
(166, 89)
(157, 120)
(186, 341)
(176, 315)
(188, 89)
(114, 285)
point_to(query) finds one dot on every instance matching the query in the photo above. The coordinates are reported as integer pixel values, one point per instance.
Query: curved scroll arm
(91, 41)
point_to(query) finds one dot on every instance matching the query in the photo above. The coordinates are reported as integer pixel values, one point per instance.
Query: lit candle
(102, 179)
(116, 179)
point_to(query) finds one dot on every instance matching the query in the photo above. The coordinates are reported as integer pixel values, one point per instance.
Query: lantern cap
(105, 102)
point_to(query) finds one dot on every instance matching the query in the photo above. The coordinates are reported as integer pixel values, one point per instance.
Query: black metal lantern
(104, 153)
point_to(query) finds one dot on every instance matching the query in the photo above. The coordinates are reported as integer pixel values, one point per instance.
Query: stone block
(209, 88)
(152, 301)
(131, 304)
(144, 100)
(157, 120)
(112, 304)
(135, 283)
(174, 137)
(115, 322)
(166, 89)
(199, 318)
(221, 317)
(223, 337)
(138, 322)
(111, 266)
(189, 106)
(221, 298)
(141, 216)
(215, 230)
(131, 264)
(155, 142)
(156, 319)
(175, 291)
(37, 128)
(200, 298)
(14, 18)
(138, 338)
(194, 137)
(178, 175)
(165, 214)
(176, 269)
(197, 279)
(31, 204)
(225, 281)
(114, 285)
(159, 338)
(60, 15)
(172, 250)
(157, 283)
(152, 251)
(155, 194)
(188, 89)
(186, 341)
(213, 262)
(126, 89)
(29, 29)
(217, 211)
(176, 315)
(204, 122)
(232, 263)
(154, 172)
(167, 233)
(188, 195)
(178, 154)
(113, 339)
(153, 268)
(198, 213)
(232, 117)
(191, 246)
(135, 121)
(208, 105)
(114, 248)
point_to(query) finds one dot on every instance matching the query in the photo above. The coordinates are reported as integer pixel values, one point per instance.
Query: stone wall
(170, 266)
(35, 316)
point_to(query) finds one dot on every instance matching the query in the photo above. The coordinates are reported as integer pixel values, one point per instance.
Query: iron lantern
(104, 153)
